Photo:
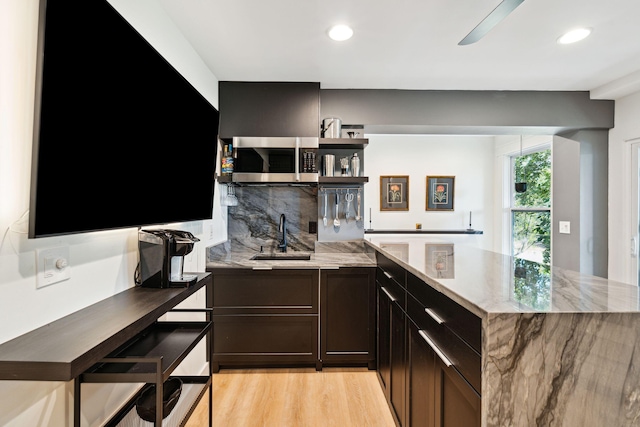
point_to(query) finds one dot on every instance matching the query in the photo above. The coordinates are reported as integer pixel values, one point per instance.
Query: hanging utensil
(349, 198)
(358, 217)
(324, 218)
(336, 221)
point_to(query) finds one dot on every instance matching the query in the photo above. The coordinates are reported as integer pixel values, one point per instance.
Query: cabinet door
(398, 362)
(269, 109)
(383, 353)
(457, 403)
(347, 301)
(421, 380)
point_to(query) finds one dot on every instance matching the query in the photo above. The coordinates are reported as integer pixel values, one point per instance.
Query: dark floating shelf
(468, 231)
(342, 179)
(354, 143)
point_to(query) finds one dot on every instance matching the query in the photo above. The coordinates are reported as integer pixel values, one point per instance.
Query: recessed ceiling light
(574, 36)
(340, 32)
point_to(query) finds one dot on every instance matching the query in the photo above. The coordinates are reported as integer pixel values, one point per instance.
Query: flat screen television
(121, 138)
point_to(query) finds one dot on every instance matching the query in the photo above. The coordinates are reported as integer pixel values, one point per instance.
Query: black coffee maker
(162, 255)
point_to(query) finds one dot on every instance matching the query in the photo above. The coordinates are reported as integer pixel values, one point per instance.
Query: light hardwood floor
(341, 397)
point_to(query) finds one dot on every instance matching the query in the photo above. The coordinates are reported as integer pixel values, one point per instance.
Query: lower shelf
(193, 389)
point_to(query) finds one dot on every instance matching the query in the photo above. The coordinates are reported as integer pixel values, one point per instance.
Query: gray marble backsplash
(254, 222)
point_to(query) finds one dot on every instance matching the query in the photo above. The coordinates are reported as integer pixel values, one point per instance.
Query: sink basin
(277, 256)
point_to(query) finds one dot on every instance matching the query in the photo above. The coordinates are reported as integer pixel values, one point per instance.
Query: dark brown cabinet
(398, 395)
(392, 362)
(420, 380)
(431, 376)
(266, 109)
(457, 404)
(347, 301)
(383, 342)
(264, 318)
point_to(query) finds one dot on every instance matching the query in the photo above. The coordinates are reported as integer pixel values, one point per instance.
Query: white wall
(621, 224)
(469, 158)
(102, 264)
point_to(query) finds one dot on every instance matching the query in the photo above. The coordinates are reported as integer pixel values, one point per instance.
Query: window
(531, 209)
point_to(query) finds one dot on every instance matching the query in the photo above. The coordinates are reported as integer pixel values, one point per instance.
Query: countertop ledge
(317, 260)
(488, 283)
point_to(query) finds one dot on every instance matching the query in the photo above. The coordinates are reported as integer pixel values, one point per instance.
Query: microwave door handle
(297, 159)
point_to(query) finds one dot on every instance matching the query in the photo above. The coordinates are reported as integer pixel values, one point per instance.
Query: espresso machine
(162, 255)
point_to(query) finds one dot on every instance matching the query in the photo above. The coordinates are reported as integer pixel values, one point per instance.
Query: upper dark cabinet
(269, 109)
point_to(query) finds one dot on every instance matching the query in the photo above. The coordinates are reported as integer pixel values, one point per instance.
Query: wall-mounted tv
(121, 138)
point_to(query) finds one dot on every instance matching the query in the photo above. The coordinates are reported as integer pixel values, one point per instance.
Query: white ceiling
(413, 44)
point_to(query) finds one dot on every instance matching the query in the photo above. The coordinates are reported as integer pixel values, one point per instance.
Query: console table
(89, 345)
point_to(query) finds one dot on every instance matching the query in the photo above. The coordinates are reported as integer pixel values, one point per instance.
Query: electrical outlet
(564, 227)
(52, 266)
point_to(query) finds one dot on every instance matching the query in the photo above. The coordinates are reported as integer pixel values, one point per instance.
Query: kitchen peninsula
(558, 348)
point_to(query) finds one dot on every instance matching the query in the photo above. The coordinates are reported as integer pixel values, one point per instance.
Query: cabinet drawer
(393, 289)
(238, 291)
(457, 318)
(265, 339)
(464, 358)
(392, 269)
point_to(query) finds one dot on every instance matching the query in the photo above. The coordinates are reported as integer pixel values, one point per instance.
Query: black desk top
(63, 349)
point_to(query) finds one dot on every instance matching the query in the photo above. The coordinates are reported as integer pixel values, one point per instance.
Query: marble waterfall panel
(561, 369)
(254, 222)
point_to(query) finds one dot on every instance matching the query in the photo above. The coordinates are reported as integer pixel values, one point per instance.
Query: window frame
(511, 208)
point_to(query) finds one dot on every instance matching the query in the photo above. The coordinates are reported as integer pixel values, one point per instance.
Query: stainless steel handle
(262, 268)
(297, 159)
(391, 297)
(434, 316)
(435, 348)
(388, 275)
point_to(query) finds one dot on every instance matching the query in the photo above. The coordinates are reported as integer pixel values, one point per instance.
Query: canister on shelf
(328, 164)
(355, 165)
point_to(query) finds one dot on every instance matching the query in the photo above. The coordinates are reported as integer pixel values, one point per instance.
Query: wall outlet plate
(52, 266)
(564, 227)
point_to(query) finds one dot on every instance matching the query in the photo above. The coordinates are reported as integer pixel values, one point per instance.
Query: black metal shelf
(353, 143)
(468, 231)
(342, 179)
(159, 349)
(193, 389)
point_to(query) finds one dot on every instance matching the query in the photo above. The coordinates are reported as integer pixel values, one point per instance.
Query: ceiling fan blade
(497, 15)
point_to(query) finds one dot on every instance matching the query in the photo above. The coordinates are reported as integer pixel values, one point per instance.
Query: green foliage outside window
(532, 230)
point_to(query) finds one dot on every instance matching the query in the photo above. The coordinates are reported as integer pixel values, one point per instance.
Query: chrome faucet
(282, 228)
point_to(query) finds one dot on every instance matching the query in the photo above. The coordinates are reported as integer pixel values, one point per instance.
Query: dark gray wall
(466, 112)
(565, 204)
(594, 198)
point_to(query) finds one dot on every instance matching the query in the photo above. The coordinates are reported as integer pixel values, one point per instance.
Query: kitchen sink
(277, 256)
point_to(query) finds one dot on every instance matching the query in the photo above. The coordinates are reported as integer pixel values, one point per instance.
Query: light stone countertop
(330, 255)
(489, 282)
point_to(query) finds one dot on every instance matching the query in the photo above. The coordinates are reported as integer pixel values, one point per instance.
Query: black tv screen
(121, 138)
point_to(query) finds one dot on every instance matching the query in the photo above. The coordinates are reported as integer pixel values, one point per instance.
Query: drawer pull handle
(391, 297)
(435, 348)
(262, 268)
(434, 316)
(388, 275)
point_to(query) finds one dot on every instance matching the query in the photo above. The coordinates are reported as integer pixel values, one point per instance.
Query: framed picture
(440, 193)
(394, 193)
(439, 260)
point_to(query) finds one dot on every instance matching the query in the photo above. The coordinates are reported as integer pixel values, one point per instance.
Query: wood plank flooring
(341, 397)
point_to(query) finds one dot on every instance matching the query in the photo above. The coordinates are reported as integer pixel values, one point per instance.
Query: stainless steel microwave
(271, 159)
